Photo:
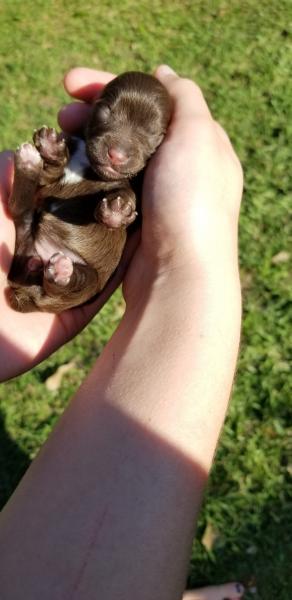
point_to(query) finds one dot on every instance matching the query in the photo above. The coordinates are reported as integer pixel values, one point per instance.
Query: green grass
(241, 54)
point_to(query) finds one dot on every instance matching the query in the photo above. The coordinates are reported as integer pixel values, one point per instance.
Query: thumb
(187, 95)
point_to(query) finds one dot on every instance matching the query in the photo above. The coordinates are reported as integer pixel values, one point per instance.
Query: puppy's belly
(45, 248)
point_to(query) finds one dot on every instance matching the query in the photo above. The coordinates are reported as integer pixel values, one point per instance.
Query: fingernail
(166, 70)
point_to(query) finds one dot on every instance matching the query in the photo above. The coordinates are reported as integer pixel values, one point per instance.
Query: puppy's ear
(101, 112)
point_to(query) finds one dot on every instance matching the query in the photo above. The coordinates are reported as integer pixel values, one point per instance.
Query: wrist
(179, 274)
(176, 349)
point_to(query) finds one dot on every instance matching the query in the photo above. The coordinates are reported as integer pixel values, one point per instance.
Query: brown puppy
(72, 198)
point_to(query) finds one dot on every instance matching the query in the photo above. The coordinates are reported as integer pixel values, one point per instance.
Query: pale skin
(108, 508)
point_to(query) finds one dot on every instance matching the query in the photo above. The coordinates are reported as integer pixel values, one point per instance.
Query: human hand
(191, 194)
(27, 338)
(192, 186)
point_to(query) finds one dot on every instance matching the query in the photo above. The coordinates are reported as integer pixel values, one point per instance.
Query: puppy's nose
(117, 155)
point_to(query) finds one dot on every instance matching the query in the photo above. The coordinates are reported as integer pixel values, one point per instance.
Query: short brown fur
(86, 219)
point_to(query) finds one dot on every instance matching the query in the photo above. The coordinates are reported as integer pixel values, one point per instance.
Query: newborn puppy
(72, 198)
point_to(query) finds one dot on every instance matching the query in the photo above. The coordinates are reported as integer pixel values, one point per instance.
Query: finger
(85, 84)
(6, 174)
(73, 117)
(188, 97)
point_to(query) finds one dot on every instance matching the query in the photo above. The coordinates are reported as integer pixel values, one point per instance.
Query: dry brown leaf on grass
(54, 381)
(281, 257)
(210, 536)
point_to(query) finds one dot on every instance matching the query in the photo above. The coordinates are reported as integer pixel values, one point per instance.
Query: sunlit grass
(240, 53)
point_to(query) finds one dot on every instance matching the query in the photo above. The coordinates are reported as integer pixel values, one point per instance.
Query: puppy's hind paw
(59, 269)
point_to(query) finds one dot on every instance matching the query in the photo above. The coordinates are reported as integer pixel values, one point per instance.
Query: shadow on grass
(259, 555)
(13, 464)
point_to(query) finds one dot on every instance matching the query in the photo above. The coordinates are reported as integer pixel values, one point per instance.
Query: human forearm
(124, 470)
(172, 360)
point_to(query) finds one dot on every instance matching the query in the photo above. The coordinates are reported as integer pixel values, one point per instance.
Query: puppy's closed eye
(102, 112)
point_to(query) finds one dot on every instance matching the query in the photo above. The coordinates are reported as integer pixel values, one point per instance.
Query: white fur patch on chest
(78, 163)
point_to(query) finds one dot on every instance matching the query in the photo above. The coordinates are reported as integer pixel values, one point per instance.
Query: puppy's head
(127, 124)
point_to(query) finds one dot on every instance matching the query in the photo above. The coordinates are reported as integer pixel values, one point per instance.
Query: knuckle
(184, 85)
(222, 133)
(229, 147)
(192, 87)
(240, 170)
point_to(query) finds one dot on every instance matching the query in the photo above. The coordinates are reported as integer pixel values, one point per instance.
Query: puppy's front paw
(59, 269)
(116, 211)
(50, 144)
(28, 160)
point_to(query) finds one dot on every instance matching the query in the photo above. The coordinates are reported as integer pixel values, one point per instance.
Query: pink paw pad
(59, 269)
(50, 144)
(28, 158)
(116, 212)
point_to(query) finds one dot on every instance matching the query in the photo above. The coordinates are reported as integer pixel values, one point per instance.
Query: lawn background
(241, 55)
